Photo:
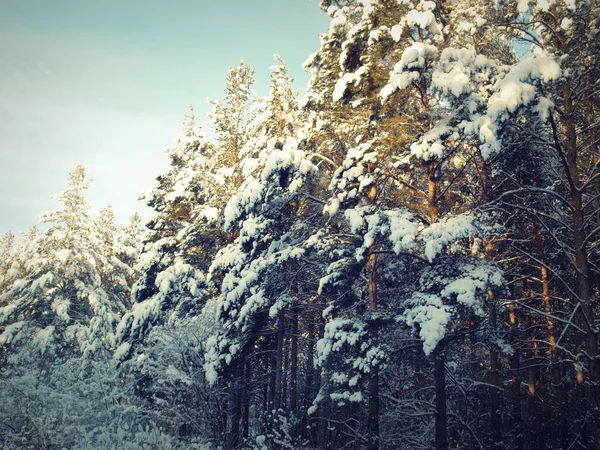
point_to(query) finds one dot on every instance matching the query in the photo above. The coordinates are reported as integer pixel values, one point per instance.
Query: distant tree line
(406, 257)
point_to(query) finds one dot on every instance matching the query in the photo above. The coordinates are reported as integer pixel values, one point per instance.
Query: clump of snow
(423, 19)
(122, 351)
(342, 84)
(447, 230)
(514, 89)
(60, 306)
(522, 6)
(407, 70)
(396, 32)
(11, 332)
(432, 316)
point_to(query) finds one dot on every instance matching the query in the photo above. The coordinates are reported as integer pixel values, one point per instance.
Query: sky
(107, 83)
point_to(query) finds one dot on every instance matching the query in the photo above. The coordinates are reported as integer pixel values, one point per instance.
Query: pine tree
(264, 217)
(61, 305)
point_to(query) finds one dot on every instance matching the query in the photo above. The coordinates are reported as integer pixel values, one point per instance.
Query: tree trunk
(294, 362)
(496, 418)
(495, 391)
(560, 436)
(441, 414)
(246, 400)
(277, 397)
(515, 367)
(235, 411)
(583, 273)
(307, 425)
(373, 431)
(285, 373)
(267, 378)
(533, 418)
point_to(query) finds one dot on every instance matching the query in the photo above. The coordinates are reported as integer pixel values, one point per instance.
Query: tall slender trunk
(590, 402)
(374, 374)
(496, 418)
(278, 394)
(583, 274)
(294, 362)
(495, 390)
(515, 367)
(272, 377)
(441, 416)
(266, 399)
(434, 211)
(441, 411)
(235, 412)
(560, 418)
(533, 418)
(309, 383)
(285, 373)
(246, 400)
(323, 422)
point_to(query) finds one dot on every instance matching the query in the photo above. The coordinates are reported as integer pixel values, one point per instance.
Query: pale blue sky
(107, 83)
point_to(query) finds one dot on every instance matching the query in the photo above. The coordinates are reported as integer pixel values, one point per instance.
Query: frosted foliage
(423, 19)
(345, 80)
(71, 279)
(339, 332)
(460, 286)
(247, 267)
(59, 406)
(408, 69)
(8, 261)
(11, 332)
(472, 286)
(290, 160)
(513, 90)
(446, 231)
(432, 316)
(518, 88)
(185, 228)
(431, 144)
(178, 287)
(228, 118)
(396, 32)
(351, 179)
(399, 227)
(449, 285)
(463, 82)
(343, 337)
(241, 294)
(461, 70)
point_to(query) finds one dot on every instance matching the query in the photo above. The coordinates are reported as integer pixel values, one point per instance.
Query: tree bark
(309, 384)
(496, 418)
(515, 367)
(560, 438)
(441, 414)
(583, 273)
(246, 400)
(294, 362)
(277, 396)
(373, 424)
(532, 387)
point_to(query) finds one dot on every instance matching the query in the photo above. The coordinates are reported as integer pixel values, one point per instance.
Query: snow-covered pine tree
(229, 118)
(60, 305)
(399, 189)
(6, 258)
(59, 312)
(120, 251)
(550, 95)
(174, 252)
(265, 216)
(185, 231)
